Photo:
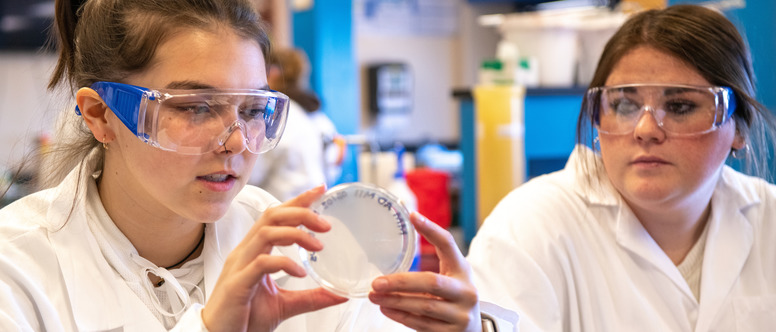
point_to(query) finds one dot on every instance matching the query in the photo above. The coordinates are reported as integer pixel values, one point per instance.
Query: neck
(162, 238)
(675, 230)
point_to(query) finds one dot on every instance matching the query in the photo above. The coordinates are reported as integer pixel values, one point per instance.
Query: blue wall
(757, 21)
(325, 32)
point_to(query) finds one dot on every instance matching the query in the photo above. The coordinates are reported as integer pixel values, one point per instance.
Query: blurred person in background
(311, 151)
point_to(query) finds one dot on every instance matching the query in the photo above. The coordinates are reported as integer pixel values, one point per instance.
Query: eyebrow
(194, 85)
(188, 85)
(677, 90)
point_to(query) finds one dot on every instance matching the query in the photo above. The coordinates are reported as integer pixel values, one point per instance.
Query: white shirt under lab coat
(569, 255)
(53, 276)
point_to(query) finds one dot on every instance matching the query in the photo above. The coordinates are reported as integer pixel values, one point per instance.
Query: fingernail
(380, 284)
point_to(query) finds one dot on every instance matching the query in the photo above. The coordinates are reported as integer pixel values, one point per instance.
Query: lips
(217, 177)
(218, 182)
(649, 160)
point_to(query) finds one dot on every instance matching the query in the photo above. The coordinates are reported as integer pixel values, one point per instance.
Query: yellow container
(500, 143)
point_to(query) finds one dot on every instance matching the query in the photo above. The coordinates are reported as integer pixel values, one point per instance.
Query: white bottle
(398, 185)
(528, 73)
(509, 55)
(490, 72)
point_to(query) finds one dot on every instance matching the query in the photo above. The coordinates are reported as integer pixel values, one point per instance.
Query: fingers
(450, 258)
(427, 301)
(415, 304)
(436, 285)
(306, 198)
(277, 226)
(266, 264)
(417, 323)
(293, 216)
(424, 313)
(262, 241)
(286, 236)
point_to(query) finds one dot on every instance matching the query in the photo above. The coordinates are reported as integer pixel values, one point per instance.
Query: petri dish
(370, 236)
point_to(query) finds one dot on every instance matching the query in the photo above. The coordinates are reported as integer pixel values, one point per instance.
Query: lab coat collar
(588, 177)
(729, 235)
(728, 244)
(91, 282)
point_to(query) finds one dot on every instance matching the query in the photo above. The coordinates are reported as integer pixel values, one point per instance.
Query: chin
(210, 212)
(651, 192)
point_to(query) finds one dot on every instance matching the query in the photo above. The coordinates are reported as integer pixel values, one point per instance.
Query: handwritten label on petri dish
(369, 196)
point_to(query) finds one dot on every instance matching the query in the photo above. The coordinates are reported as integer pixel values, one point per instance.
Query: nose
(648, 127)
(231, 141)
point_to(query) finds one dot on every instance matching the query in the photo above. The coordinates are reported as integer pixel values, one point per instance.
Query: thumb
(299, 302)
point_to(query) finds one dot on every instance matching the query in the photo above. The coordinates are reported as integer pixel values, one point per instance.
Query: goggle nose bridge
(649, 109)
(237, 124)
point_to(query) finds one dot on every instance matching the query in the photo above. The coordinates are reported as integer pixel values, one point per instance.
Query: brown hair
(706, 40)
(108, 40)
(293, 66)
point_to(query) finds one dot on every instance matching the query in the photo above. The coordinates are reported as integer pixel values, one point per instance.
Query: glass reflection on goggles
(198, 121)
(680, 110)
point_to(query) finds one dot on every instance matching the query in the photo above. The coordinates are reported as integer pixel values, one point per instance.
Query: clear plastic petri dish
(370, 236)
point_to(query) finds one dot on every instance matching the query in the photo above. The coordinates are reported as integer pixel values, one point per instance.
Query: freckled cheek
(172, 170)
(613, 153)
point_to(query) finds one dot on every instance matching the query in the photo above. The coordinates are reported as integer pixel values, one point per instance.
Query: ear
(739, 141)
(94, 111)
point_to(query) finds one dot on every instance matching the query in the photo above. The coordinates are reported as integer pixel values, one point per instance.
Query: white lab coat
(569, 255)
(296, 164)
(53, 276)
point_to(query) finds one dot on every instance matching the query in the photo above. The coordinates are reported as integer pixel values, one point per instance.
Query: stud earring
(740, 153)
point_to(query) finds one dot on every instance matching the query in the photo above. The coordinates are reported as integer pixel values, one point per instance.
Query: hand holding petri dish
(371, 235)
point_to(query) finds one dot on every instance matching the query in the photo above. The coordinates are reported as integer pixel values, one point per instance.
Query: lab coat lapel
(221, 238)
(632, 236)
(213, 258)
(90, 282)
(91, 285)
(137, 317)
(100, 300)
(729, 243)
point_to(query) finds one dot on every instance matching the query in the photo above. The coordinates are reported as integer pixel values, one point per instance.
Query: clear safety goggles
(680, 110)
(197, 121)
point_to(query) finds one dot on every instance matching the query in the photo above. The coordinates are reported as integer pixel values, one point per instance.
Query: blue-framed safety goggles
(197, 121)
(680, 110)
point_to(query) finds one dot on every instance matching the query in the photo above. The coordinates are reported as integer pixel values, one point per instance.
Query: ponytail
(63, 34)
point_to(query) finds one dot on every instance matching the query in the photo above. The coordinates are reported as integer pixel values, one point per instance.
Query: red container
(431, 189)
